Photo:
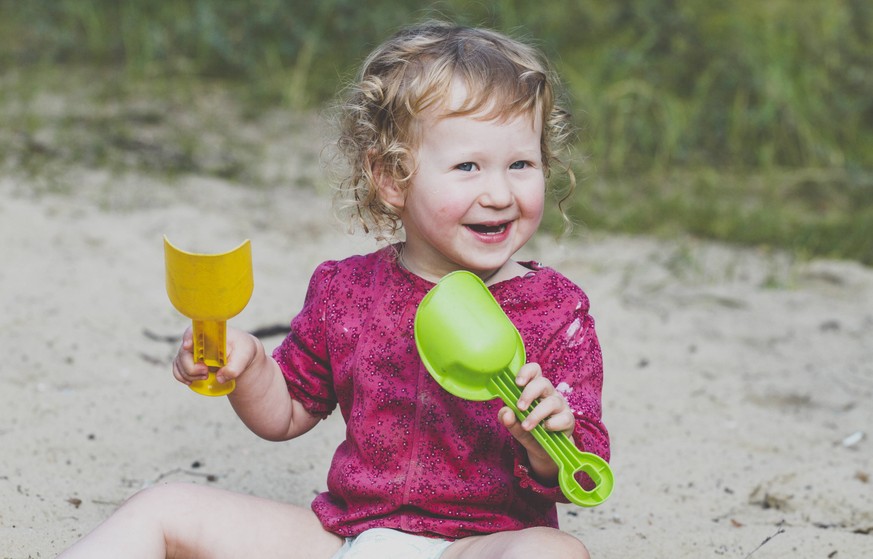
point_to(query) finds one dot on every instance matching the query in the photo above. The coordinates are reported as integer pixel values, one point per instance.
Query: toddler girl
(451, 133)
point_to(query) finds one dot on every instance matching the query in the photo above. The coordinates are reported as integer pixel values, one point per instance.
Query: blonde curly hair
(412, 72)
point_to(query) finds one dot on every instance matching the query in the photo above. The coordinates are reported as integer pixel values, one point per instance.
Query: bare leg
(191, 521)
(521, 544)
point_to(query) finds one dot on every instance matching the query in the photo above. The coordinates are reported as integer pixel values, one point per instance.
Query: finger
(544, 409)
(530, 378)
(537, 389)
(525, 438)
(564, 422)
(510, 421)
(188, 339)
(185, 354)
(528, 372)
(179, 376)
(183, 357)
(507, 417)
(185, 370)
(227, 373)
(241, 351)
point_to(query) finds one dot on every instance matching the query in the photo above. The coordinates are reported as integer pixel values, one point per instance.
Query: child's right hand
(242, 350)
(261, 398)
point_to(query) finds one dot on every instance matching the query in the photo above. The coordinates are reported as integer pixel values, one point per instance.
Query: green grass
(55, 120)
(750, 125)
(808, 212)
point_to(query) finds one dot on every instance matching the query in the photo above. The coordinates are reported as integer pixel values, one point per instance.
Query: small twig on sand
(770, 537)
(161, 476)
(267, 331)
(174, 471)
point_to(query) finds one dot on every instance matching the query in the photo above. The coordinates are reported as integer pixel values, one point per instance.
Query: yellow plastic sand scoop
(210, 289)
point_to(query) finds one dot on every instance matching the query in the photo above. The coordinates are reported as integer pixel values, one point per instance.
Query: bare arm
(261, 398)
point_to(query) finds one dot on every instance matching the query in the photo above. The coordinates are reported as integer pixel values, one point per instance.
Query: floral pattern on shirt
(417, 458)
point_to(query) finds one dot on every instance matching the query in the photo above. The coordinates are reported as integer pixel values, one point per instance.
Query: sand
(738, 382)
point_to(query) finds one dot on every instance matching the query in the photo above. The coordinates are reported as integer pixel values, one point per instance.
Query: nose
(497, 192)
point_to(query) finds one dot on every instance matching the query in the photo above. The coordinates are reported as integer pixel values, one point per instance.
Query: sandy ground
(738, 391)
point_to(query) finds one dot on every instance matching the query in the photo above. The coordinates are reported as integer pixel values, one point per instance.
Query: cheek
(449, 204)
(533, 203)
(434, 211)
(535, 217)
(446, 215)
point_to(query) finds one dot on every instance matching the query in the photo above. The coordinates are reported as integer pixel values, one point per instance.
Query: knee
(154, 502)
(568, 546)
(575, 548)
(551, 543)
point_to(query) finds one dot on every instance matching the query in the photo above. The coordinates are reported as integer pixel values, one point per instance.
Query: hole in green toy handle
(595, 468)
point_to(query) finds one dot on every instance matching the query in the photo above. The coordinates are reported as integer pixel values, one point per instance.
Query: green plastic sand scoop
(472, 349)
(209, 289)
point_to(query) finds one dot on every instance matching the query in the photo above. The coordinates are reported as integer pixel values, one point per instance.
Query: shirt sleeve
(580, 381)
(303, 355)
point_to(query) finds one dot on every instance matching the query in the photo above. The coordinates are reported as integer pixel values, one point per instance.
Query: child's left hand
(552, 411)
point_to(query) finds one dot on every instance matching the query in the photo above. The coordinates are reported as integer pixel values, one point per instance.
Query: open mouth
(482, 229)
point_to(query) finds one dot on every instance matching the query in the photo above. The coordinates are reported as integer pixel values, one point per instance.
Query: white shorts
(384, 543)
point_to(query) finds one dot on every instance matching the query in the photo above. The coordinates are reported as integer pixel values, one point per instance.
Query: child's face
(477, 195)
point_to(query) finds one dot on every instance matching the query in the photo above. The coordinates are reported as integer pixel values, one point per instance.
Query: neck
(486, 276)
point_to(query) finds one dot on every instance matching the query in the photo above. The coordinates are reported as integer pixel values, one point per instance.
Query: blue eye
(518, 165)
(468, 166)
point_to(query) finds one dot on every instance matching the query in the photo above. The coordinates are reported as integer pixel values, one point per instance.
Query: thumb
(242, 348)
(513, 425)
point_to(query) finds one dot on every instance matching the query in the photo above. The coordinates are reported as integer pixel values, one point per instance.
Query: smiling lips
(489, 229)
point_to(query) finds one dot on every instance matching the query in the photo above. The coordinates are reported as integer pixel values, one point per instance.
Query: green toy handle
(570, 460)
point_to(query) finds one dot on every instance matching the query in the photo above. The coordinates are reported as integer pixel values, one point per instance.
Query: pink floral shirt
(415, 457)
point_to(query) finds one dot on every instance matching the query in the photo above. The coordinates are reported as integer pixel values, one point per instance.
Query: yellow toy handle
(210, 341)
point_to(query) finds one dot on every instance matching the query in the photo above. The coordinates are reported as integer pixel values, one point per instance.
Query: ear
(390, 193)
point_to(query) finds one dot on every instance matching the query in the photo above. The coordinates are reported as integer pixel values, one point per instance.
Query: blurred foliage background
(749, 122)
